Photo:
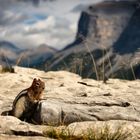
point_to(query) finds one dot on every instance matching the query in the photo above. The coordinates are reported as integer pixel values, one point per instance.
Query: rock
(11, 125)
(63, 101)
(12, 128)
(54, 112)
(11, 137)
(63, 105)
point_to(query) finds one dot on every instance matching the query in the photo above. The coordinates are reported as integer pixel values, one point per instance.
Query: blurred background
(30, 23)
(93, 38)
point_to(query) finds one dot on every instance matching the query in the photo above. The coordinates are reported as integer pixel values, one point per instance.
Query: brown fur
(26, 101)
(36, 90)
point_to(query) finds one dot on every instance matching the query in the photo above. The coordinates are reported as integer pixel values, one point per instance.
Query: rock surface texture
(69, 99)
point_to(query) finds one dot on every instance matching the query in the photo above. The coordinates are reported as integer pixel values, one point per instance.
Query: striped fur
(25, 103)
(22, 93)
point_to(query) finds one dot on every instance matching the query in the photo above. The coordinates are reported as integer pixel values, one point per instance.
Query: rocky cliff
(106, 44)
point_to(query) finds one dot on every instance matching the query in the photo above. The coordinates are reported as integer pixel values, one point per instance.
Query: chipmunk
(26, 101)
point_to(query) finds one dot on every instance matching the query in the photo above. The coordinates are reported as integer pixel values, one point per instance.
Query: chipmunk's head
(38, 86)
(37, 89)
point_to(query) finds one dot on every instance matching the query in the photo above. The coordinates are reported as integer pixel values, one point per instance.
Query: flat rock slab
(11, 125)
(68, 98)
(12, 128)
(55, 112)
(12, 137)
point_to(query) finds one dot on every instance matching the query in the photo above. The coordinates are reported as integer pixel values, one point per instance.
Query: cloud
(83, 5)
(27, 26)
(8, 3)
(11, 18)
(45, 31)
(49, 24)
(79, 8)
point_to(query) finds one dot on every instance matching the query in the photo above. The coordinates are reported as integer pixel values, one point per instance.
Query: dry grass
(100, 69)
(92, 134)
(7, 69)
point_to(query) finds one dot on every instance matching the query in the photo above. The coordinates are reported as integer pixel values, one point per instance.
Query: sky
(30, 23)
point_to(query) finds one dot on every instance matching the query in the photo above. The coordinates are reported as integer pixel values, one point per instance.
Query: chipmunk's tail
(6, 113)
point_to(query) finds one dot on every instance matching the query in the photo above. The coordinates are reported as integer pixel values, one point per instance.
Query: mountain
(8, 53)
(35, 57)
(9, 46)
(106, 43)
